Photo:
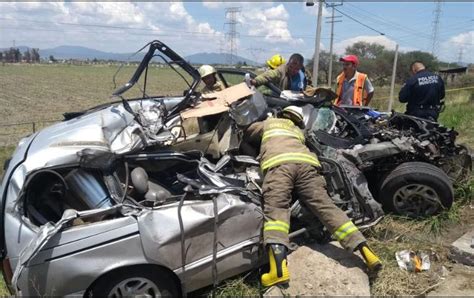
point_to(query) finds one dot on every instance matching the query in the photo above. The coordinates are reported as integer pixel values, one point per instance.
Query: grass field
(34, 93)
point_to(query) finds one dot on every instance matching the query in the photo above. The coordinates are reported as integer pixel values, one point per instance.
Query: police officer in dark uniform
(423, 93)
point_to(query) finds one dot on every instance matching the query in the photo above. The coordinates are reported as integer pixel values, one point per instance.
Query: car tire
(416, 189)
(135, 281)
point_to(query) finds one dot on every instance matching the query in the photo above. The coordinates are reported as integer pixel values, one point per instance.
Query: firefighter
(275, 61)
(353, 87)
(208, 76)
(291, 169)
(423, 92)
(289, 76)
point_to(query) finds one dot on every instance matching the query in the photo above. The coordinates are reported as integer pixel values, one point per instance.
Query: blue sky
(265, 28)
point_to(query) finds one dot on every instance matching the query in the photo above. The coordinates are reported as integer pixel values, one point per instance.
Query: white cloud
(460, 44)
(277, 13)
(213, 4)
(270, 23)
(340, 47)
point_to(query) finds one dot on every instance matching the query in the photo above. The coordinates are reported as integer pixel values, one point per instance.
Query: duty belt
(429, 107)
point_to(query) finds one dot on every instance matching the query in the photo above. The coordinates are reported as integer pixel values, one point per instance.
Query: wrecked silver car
(105, 204)
(120, 200)
(98, 205)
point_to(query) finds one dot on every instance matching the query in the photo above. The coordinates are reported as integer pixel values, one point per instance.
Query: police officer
(289, 76)
(290, 168)
(423, 93)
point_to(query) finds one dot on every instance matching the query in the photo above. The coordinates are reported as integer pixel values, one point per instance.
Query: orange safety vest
(360, 95)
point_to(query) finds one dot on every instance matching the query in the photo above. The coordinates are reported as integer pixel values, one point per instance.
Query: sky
(263, 28)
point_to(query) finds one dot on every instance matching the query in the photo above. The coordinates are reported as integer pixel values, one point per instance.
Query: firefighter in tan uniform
(289, 76)
(208, 76)
(290, 168)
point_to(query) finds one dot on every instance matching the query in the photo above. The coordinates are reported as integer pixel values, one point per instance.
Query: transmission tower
(231, 14)
(461, 50)
(434, 34)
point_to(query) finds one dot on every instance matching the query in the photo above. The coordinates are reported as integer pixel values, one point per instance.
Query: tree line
(14, 55)
(377, 61)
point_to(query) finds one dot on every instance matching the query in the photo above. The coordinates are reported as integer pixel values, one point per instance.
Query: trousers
(302, 180)
(429, 114)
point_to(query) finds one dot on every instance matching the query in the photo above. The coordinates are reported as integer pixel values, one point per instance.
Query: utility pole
(392, 85)
(231, 14)
(333, 20)
(317, 42)
(435, 30)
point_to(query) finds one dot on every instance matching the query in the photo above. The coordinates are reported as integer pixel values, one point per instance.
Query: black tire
(416, 189)
(155, 282)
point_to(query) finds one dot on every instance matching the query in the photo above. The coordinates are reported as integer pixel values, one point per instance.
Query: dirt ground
(458, 282)
(314, 269)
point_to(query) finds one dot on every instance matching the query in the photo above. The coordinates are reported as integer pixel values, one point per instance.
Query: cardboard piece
(217, 102)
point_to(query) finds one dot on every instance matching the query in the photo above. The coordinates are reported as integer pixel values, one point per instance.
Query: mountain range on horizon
(84, 53)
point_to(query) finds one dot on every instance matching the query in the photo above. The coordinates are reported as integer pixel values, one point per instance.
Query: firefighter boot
(373, 262)
(278, 266)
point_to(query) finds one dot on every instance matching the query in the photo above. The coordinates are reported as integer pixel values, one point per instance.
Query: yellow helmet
(295, 114)
(206, 70)
(275, 61)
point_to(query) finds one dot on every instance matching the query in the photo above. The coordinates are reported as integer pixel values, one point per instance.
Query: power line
(357, 21)
(171, 31)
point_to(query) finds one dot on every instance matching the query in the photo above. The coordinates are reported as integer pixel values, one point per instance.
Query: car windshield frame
(157, 48)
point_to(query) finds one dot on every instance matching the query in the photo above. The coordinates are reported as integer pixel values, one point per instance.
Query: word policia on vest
(428, 80)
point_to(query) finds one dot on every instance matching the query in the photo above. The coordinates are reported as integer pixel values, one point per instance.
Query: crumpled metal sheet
(161, 234)
(360, 186)
(46, 232)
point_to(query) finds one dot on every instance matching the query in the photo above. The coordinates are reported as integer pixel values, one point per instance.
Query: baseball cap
(350, 58)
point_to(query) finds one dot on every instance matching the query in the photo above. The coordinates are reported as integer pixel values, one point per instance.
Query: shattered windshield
(325, 120)
(154, 71)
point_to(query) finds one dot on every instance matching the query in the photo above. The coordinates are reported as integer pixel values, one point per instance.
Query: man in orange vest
(353, 87)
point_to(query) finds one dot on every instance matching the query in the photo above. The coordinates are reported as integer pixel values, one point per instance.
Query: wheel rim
(416, 200)
(135, 286)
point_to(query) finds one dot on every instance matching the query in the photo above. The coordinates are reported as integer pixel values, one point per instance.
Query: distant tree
(27, 56)
(406, 59)
(15, 55)
(323, 73)
(35, 56)
(52, 59)
(365, 50)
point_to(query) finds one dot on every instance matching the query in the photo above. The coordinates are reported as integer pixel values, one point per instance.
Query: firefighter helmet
(275, 61)
(206, 70)
(295, 114)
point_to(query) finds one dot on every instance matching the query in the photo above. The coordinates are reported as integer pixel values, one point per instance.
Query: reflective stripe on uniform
(345, 230)
(282, 133)
(290, 157)
(276, 225)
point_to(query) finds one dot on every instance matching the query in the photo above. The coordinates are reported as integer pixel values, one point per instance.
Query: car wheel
(137, 281)
(416, 189)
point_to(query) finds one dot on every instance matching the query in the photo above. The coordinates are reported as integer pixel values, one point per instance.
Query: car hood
(112, 130)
